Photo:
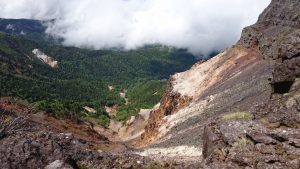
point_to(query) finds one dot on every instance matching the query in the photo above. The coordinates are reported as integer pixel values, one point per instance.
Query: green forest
(83, 76)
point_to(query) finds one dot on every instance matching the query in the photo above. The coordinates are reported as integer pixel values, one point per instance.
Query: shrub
(243, 142)
(239, 115)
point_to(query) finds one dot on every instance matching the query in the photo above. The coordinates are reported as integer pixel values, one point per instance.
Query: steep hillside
(62, 80)
(240, 108)
(31, 29)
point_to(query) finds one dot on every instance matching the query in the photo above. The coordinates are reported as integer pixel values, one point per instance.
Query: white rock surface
(44, 58)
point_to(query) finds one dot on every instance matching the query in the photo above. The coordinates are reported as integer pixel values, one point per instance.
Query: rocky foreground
(32, 139)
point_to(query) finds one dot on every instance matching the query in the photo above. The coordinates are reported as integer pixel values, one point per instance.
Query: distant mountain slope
(80, 77)
(31, 29)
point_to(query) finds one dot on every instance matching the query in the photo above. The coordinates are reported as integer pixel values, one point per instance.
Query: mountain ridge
(228, 107)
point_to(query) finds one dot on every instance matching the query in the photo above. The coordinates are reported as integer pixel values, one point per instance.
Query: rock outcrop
(170, 102)
(271, 139)
(44, 58)
(240, 108)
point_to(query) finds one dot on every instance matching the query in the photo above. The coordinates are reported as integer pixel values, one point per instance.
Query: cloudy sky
(201, 26)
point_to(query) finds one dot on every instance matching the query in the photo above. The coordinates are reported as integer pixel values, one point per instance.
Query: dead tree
(10, 124)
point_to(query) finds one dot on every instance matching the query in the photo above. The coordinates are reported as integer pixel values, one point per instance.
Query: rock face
(241, 108)
(271, 139)
(44, 58)
(170, 102)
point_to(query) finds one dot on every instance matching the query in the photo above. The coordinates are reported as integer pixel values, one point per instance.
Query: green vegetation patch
(144, 95)
(239, 115)
(243, 142)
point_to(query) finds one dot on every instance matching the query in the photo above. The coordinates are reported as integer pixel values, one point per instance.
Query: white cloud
(201, 26)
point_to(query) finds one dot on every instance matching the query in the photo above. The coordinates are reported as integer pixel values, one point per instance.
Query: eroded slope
(254, 83)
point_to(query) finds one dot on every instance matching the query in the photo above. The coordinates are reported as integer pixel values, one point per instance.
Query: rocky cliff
(239, 109)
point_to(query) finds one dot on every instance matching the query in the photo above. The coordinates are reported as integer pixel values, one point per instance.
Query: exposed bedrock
(240, 108)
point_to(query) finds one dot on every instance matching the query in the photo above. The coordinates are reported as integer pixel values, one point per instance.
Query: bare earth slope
(241, 108)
